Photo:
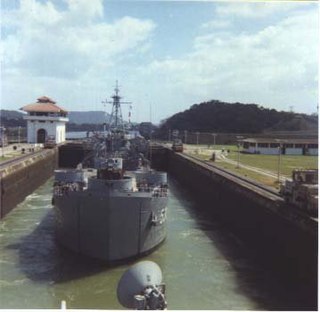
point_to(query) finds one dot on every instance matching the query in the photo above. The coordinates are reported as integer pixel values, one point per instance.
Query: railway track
(228, 173)
(18, 159)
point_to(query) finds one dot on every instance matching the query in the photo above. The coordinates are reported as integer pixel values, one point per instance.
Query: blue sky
(167, 55)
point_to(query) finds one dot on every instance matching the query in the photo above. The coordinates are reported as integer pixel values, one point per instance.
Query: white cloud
(74, 54)
(276, 65)
(43, 41)
(80, 10)
(217, 24)
(255, 10)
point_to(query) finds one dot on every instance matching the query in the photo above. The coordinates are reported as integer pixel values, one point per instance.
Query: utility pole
(19, 128)
(2, 153)
(279, 161)
(239, 138)
(2, 141)
(214, 138)
(238, 164)
(281, 142)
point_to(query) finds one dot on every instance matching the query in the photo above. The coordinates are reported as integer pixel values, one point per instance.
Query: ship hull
(110, 227)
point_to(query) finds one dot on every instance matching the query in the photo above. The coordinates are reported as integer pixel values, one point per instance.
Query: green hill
(11, 118)
(220, 117)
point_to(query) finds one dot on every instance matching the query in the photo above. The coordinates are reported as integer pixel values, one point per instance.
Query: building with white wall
(45, 121)
(269, 146)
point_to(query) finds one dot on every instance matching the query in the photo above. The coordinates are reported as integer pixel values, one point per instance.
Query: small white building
(269, 146)
(45, 121)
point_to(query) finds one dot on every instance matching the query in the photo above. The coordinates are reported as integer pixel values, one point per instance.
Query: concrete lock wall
(72, 154)
(21, 179)
(280, 243)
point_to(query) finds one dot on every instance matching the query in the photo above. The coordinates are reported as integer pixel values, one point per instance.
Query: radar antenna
(116, 120)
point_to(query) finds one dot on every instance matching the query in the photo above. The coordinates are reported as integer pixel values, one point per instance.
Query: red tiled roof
(45, 99)
(44, 105)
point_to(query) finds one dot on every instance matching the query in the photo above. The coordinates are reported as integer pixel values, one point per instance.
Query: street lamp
(279, 161)
(19, 128)
(279, 157)
(2, 153)
(238, 164)
(239, 138)
(214, 138)
(2, 129)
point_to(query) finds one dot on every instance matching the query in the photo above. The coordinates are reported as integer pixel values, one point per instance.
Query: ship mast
(116, 120)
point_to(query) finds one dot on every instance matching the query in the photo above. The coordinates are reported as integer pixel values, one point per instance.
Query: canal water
(204, 265)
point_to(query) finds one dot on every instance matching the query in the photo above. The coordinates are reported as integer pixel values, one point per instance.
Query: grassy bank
(264, 179)
(270, 162)
(264, 162)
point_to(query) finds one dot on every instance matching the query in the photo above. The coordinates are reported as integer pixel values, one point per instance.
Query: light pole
(2, 153)
(2, 141)
(214, 138)
(239, 138)
(197, 138)
(185, 136)
(238, 164)
(281, 142)
(19, 128)
(279, 161)
(169, 136)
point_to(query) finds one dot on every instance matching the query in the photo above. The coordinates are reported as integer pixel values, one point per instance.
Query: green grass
(266, 162)
(270, 162)
(11, 155)
(4, 158)
(266, 180)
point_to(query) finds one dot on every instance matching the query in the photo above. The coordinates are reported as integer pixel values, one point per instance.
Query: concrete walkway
(9, 151)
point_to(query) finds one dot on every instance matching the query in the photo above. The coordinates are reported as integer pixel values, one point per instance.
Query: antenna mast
(116, 120)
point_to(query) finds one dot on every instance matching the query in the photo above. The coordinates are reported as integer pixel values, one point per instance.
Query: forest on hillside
(224, 117)
(11, 119)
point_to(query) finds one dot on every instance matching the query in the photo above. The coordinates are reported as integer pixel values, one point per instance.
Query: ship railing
(158, 191)
(65, 188)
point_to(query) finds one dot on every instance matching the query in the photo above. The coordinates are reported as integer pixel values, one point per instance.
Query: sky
(166, 55)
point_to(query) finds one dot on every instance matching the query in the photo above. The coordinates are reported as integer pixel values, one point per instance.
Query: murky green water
(204, 265)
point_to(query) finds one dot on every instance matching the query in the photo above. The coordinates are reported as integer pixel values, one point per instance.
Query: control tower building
(45, 121)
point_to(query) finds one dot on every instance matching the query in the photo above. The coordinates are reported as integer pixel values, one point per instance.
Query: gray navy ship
(112, 207)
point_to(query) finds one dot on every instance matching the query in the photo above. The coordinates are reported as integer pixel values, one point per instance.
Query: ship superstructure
(106, 211)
